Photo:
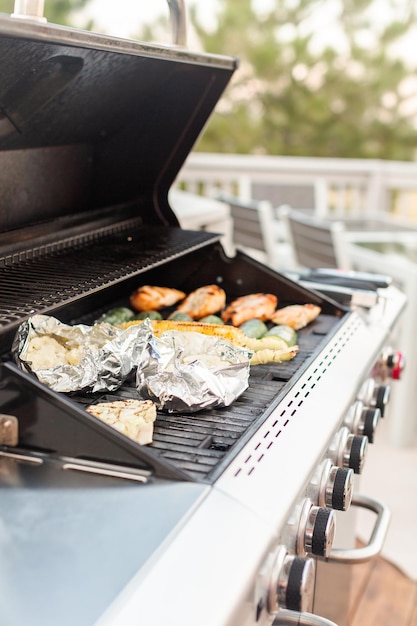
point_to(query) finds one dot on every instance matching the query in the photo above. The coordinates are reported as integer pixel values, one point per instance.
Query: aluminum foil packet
(79, 357)
(188, 372)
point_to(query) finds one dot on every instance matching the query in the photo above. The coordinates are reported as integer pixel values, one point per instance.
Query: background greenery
(298, 91)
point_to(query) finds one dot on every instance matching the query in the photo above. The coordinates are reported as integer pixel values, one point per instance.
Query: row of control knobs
(331, 489)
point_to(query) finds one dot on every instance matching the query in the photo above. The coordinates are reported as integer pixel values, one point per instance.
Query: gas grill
(222, 519)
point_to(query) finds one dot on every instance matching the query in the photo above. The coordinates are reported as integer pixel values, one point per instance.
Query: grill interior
(202, 444)
(84, 275)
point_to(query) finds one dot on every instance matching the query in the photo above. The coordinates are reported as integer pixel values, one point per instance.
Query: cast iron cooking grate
(203, 443)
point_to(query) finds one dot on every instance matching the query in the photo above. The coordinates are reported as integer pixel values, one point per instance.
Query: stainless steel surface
(29, 9)
(179, 21)
(34, 10)
(288, 618)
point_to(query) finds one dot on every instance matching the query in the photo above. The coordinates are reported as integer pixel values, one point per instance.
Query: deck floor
(382, 596)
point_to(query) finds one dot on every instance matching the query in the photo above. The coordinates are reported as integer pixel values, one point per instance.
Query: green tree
(297, 92)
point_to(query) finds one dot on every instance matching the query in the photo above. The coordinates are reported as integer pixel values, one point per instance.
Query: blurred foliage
(298, 91)
(293, 96)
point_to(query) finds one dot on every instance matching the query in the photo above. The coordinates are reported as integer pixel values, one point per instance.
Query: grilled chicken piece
(150, 298)
(296, 315)
(203, 301)
(133, 418)
(256, 305)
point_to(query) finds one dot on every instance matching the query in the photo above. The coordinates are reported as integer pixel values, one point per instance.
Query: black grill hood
(91, 124)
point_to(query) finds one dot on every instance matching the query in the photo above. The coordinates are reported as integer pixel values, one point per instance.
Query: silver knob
(331, 486)
(375, 395)
(338, 489)
(316, 530)
(292, 583)
(354, 453)
(349, 451)
(362, 420)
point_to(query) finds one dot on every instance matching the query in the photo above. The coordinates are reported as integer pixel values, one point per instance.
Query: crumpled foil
(108, 354)
(188, 372)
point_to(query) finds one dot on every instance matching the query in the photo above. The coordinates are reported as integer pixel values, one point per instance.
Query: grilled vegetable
(116, 316)
(152, 315)
(211, 319)
(180, 317)
(268, 348)
(254, 328)
(286, 333)
(273, 356)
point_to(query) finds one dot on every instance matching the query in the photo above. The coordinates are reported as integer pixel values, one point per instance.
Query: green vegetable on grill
(254, 328)
(286, 333)
(211, 319)
(115, 316)
(152, 315)
(178, 316)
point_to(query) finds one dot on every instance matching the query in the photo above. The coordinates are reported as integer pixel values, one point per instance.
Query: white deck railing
(340, 187)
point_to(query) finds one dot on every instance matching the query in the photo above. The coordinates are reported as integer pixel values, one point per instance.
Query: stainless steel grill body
(96, 529)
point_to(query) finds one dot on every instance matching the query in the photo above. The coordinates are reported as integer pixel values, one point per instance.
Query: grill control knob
(338, 489)
(374, 395)
(331, 486)
(316, 530)
(390, 364)
(292, 583)
(349, 451)
(354, 453)
(362, 420)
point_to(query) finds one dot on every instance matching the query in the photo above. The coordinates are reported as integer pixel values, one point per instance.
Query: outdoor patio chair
(315, 242)
(258, 232)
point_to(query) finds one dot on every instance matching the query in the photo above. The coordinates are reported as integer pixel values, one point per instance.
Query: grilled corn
(268, 349)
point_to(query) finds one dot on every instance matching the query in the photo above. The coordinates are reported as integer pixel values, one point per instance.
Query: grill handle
(178, 21)
(377, 538)
(288, 618)
(33, 10)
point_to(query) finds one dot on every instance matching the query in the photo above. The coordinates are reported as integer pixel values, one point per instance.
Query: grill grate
(203, 443)
(42, 283)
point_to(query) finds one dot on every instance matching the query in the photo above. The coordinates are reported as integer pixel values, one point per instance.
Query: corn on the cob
(226, 332)
(268, 349)
(273, 356)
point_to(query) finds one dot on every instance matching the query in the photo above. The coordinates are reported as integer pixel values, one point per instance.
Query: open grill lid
(89, 122)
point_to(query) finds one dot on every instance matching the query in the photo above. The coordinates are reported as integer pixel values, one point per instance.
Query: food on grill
(180, 317)
(45, 352)
(211, 319)
(151, 298)
(254, 328)
(287, 333)
(273, 356)
(133, 418)
(116, 316)
(255, 305)
(296, 315)
(203, 301)
(153, 315)
(278, 349)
